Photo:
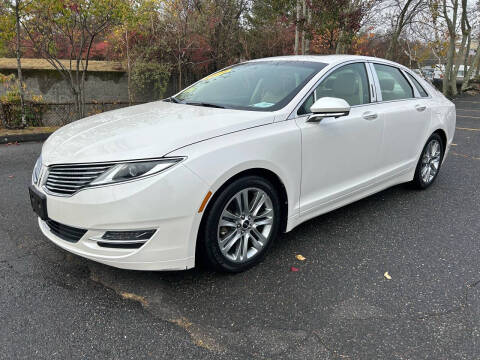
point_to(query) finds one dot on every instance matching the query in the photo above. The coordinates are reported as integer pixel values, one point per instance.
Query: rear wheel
(241, 224)
(429, 163)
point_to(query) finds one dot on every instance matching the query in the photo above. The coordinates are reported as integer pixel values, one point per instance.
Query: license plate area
(38, 202)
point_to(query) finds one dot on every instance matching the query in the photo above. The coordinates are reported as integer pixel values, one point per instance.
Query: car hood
(144, 131)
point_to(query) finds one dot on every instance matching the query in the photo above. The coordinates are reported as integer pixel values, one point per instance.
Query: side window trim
(376, 82)
(313, 89)
(371, 83)
(416, 93)
(411, 75)
(379, 90)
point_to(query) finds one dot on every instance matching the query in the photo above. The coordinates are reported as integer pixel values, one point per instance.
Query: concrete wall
(100, 86)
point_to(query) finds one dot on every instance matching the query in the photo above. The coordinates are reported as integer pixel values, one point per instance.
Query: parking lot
(338, 305)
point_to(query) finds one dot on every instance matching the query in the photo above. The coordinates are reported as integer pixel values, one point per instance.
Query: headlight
(36, 170)
(134, 170)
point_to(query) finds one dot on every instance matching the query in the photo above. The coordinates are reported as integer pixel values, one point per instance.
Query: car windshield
(258, 86)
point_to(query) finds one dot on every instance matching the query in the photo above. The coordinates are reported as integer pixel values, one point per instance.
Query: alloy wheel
(430, 161)
(245, 225)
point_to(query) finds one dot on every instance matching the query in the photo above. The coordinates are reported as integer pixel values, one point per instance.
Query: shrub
(150, 79)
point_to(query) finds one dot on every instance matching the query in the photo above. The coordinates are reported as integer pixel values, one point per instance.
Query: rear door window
(393, 85)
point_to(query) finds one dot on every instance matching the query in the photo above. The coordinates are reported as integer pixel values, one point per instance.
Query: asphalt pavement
(338, 305)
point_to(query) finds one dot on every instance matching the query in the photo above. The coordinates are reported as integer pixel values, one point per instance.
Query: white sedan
(220, 169)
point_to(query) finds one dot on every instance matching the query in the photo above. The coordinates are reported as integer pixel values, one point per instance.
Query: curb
(24, 138)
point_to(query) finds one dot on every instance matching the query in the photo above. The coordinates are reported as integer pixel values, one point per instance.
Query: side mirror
(328, 107)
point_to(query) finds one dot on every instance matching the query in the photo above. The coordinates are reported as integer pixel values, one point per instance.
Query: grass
(28, 130)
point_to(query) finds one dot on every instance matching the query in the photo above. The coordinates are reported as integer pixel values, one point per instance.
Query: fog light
(128, 235)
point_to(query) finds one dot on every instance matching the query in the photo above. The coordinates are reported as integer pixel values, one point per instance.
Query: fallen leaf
(293, 269)
(387, 276)
(300, 257)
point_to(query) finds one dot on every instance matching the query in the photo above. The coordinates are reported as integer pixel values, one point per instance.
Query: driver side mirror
(328, 107)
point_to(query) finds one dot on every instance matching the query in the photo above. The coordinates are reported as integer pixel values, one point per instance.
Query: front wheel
(429, 163)
(241, 224)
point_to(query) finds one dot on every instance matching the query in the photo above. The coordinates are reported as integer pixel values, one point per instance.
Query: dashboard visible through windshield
(256, 86)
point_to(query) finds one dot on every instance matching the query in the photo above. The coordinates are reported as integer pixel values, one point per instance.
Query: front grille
(68, 179)
(65, 232)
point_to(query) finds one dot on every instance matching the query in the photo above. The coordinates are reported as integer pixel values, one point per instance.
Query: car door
(406, 115)
(339, 155)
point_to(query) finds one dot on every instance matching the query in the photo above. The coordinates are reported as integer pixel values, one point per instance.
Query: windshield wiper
(205, 104)
(172, 99)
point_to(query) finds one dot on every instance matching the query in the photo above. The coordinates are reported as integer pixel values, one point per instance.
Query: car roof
(326, 59)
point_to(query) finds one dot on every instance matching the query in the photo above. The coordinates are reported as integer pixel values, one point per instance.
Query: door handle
(420, 107)
(370, 115)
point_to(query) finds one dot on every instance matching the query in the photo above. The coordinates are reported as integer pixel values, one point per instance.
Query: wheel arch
(258, 171)
(443, 136)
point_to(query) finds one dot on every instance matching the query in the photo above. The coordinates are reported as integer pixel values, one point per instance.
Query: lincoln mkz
(219, 170)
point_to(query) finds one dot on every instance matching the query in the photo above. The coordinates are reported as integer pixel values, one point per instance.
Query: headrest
(345, 85)
(387, 84)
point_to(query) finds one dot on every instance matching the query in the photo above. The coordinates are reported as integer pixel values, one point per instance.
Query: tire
(430, 162)
(223, 247)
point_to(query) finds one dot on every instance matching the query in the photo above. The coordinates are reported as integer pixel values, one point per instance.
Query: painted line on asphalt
(471, 117)
(467, 109)
(467, 101)
(467, 129)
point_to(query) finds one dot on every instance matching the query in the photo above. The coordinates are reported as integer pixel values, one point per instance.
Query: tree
(450, 14)
(71, 27)
(403, 13)
(11, 15)
(128, 37)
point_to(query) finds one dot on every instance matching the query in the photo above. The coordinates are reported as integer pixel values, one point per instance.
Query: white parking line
(471, 117)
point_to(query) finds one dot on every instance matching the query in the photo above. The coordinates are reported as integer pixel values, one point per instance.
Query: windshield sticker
(217, 74)
(263, 104)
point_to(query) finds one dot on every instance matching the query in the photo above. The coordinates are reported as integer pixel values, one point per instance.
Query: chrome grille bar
(68, 179)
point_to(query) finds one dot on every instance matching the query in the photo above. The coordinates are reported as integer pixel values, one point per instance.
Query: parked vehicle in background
(220, 169)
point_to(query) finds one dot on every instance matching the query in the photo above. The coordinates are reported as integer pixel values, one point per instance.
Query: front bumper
(167, 202)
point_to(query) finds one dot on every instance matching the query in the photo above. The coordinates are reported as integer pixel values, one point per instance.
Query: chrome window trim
(293, 114)
(376, 82)
(403, 71)
(416, 93)
(411, 73)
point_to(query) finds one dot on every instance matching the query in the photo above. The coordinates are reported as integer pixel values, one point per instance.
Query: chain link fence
(51, 114)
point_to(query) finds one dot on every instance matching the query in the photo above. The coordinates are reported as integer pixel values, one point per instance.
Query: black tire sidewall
(417, 180)
(210, 246)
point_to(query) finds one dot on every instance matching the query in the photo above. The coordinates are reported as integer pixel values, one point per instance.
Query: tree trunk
(129, 70)
(297, 32)
(448, 68)
(468, 74)
(309, 21)
(19, 64)
(392, 47)
(179, 67)
(304, 15)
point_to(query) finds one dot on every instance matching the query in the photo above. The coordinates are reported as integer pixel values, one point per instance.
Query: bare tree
(404, 12)
(450, 13)
(57, 31)
(16, 11)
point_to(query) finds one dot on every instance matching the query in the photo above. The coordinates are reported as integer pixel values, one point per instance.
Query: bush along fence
(50, 114)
